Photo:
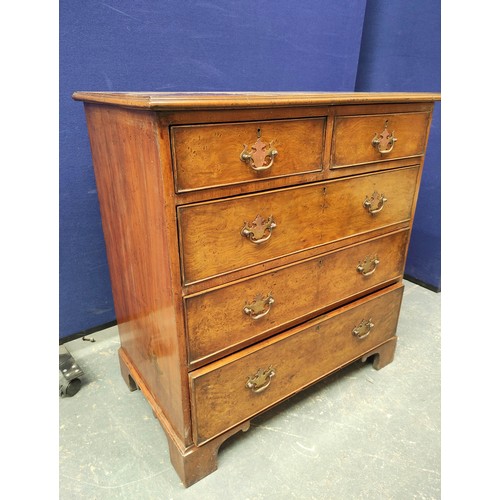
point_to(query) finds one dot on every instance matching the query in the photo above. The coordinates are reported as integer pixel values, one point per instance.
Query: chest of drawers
(256, 243)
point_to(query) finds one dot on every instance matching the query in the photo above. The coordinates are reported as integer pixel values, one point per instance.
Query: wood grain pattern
(353, 137)
(289, 259)
(172, 117)
(216, 324)
(209, 155)
(228, 100)
(220, 399)
(130, 190)
(306, 216)
(181, 271)
(377, 108)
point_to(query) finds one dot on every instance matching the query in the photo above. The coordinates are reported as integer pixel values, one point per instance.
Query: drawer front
(211, 155)
(353, 138)
(216, 237)
(233, 390)
(222, 320)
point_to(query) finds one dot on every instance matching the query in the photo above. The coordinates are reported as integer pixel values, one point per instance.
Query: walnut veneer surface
(256, 243)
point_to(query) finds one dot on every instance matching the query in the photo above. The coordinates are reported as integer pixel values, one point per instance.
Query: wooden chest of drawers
(256, 244)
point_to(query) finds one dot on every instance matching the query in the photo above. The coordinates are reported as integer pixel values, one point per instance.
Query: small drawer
(215, 155)
(222, 320)
(374, 138)
(237, 388)
(218, 237)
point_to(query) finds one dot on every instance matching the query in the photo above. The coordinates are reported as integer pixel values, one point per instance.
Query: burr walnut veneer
(256, 243)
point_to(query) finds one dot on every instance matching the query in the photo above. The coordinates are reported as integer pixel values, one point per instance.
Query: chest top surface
(181, 100)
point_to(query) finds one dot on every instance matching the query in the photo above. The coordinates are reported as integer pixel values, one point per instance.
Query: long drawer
(222, 320)
(236, 388)
(221, 236)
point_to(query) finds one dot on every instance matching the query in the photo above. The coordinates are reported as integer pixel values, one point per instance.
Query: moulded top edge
(197, 100)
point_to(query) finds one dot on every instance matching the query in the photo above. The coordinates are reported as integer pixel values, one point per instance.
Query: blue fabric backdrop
(165, 45)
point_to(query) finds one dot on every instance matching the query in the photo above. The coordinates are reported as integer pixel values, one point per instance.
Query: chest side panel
(130, 189)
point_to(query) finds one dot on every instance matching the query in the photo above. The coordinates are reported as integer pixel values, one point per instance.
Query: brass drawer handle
(384, 142)
(261, 380)
(363, 329)
(368, 266)
(375, 203)
(259, 230)
(260, 156)
(259, 307)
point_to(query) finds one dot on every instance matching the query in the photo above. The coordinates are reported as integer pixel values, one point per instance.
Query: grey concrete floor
(358, 434)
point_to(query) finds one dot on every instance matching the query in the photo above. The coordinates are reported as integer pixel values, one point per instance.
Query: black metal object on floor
(70, 374)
